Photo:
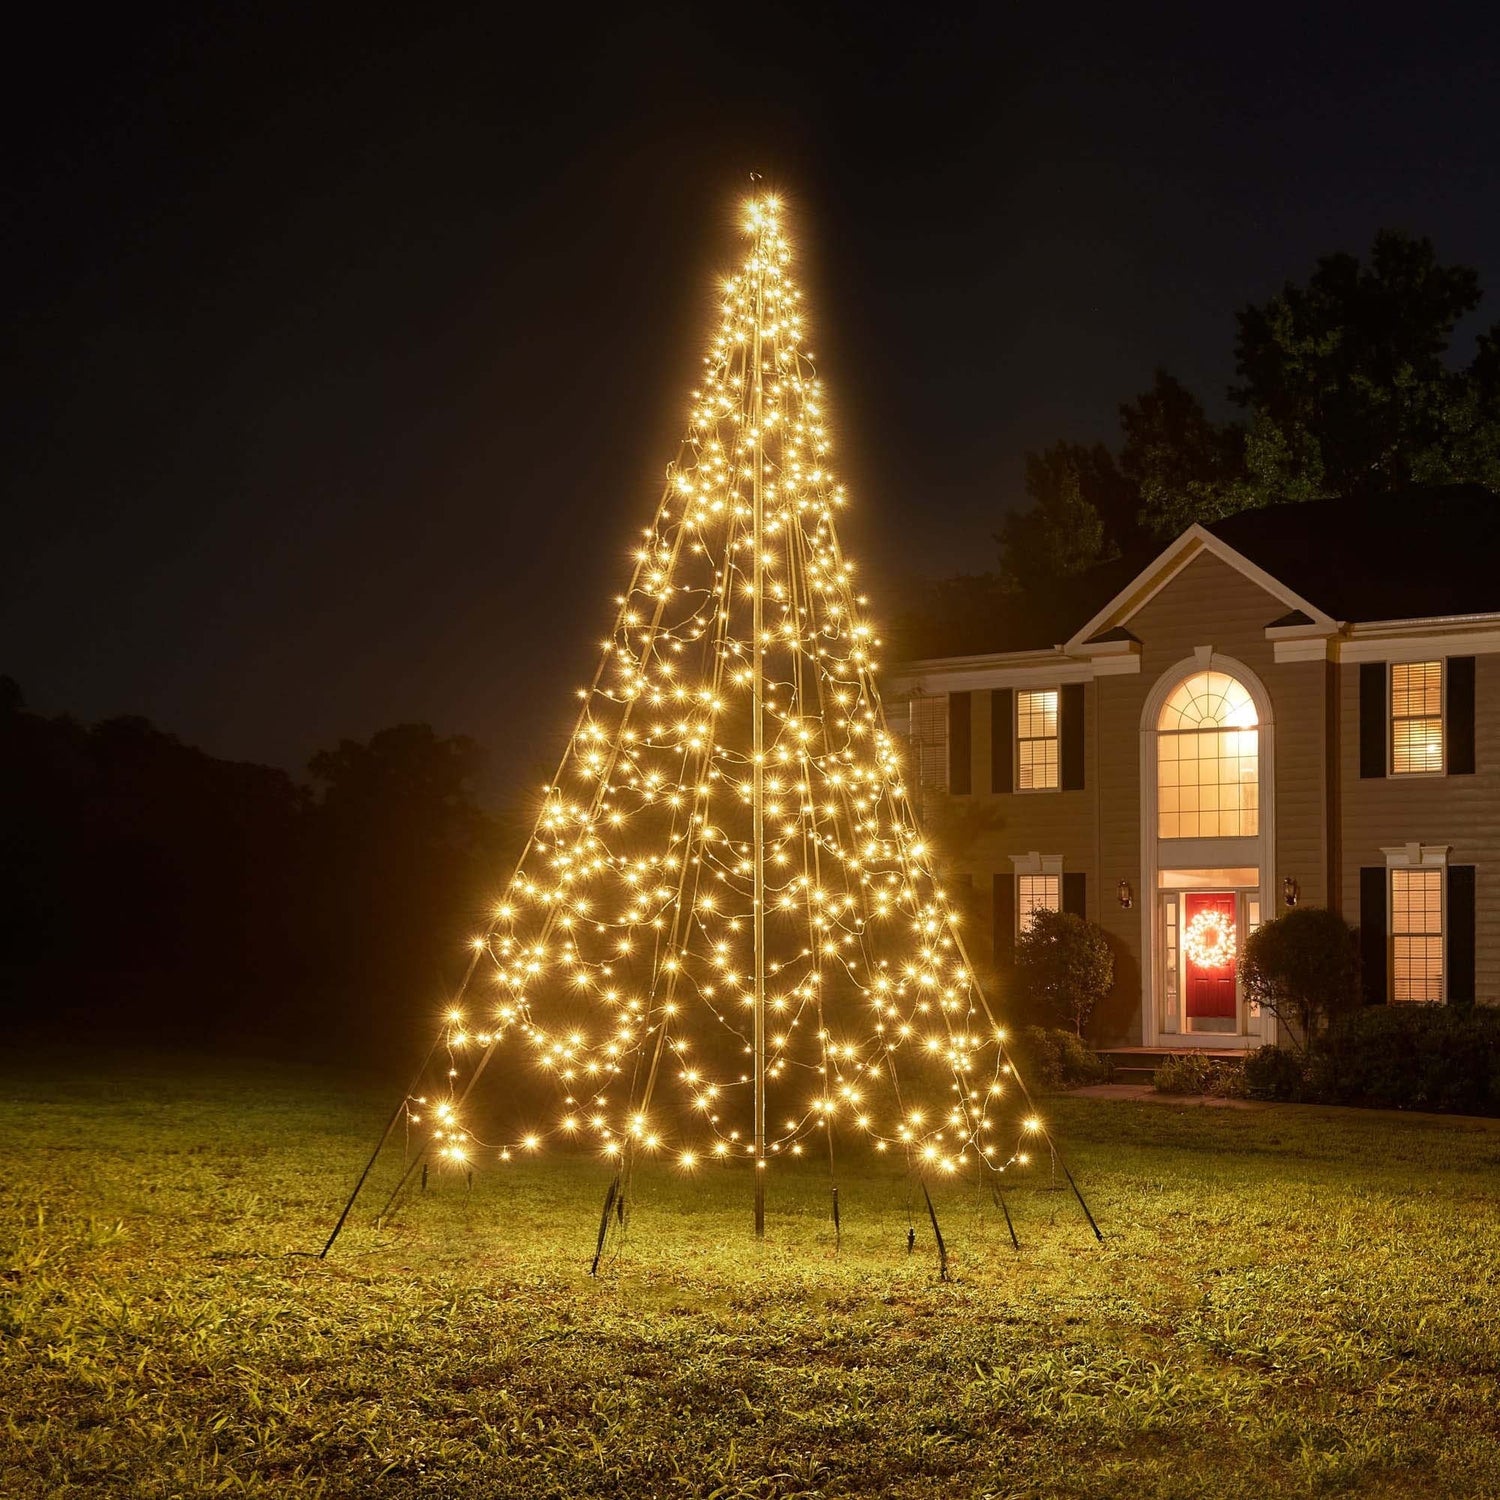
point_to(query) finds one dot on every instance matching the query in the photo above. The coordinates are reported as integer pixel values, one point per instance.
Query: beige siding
(979, 833)
(1460, 811)
(1117, 751)
(1299, 692)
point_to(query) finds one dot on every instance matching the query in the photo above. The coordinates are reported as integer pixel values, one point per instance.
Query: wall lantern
(1289, 891)
(1123, 891)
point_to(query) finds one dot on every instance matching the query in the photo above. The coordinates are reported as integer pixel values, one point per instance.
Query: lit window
(928, 740)
(1036, 741)
(1208, 760)
(1033, 893)
(1417, 935)
(1416, 717)
(1170, 907)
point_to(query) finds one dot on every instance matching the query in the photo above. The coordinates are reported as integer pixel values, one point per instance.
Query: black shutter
(1374, 721)
(1461, 935)
(1002, 741)
(1005, 922)
(1372, 946)
(1070, 736)
(1460, 705)
(960, 743)
(1075, 892)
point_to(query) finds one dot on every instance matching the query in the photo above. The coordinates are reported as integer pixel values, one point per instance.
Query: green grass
(1290, 1301)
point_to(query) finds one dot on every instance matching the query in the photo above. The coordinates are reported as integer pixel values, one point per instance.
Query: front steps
(1139, 1064)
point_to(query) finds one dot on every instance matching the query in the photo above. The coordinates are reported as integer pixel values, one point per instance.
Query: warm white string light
(622, 961)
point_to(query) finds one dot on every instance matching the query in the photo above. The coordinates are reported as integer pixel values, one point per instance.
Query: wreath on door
(1209, 940)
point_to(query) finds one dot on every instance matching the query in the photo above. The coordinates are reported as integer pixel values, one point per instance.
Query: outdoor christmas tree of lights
(725, 940)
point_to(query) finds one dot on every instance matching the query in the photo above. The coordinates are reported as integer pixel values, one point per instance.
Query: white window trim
(1015, 741)
(1391, 773)
(1033, 864)
(1414, 856)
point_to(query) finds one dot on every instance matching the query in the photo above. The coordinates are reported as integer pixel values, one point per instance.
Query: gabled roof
(1422, 553)
(1425, 553)
(1162, 569)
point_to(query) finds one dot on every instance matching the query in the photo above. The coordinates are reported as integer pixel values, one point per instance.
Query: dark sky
(346, 350)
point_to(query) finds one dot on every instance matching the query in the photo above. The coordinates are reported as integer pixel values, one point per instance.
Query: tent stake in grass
(401, 1111)
(1098, 1233)
(613, 1202)
(942, 1249)
(998, 1194)
(406, 1176)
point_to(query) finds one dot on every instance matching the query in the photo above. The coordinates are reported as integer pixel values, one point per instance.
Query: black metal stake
(385, 1135)
(999, 1197)
(1098, 1233)
(612, 1202)
(942, 1248)
(838, 1232)
(406, 1176)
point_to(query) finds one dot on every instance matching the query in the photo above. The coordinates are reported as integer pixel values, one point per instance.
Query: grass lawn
(1292, 1301)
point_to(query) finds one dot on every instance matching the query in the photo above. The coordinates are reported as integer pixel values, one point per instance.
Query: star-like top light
(621, 960)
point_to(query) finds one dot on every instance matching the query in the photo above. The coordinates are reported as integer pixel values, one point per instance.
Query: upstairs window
(1416, 936)
(1035, 893)
(927, 740)
(1416, 718)
(1036, 741)
(1208, 760)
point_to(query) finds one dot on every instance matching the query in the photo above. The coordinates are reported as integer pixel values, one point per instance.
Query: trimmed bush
(1064, 965)
(1192, 1073)
(1412, 1057)
(1274, 1073)
(1052, 1059)
(1303, 967)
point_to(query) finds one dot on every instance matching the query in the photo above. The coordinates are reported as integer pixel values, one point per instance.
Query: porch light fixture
(1126, 899)
(1289, 891)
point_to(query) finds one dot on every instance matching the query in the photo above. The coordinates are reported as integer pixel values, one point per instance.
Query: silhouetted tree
(1082, 511)
(1348, 391)
(1183, 466)
(151, 889)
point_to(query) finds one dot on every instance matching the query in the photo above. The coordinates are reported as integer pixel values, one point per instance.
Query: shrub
(1064, 962)
(1192, 1073)
(1274, 1073)
(1053, 1059)
(1412, 1057)
(1303, 967)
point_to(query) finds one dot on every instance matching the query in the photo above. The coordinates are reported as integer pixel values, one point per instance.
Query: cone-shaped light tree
(726, 938)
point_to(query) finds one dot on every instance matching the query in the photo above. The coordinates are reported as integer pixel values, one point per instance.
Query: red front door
(1210, 946)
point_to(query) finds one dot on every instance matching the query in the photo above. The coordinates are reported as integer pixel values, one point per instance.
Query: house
(1293, 705)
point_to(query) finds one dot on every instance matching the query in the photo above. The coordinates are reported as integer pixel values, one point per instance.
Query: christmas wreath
(1209, 940)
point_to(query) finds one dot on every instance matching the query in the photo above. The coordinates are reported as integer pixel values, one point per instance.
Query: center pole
(757, 730)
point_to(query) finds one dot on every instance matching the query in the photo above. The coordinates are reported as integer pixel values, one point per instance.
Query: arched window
(1208, 760)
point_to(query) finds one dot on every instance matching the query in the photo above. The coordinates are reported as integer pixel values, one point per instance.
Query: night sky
(345, 353)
